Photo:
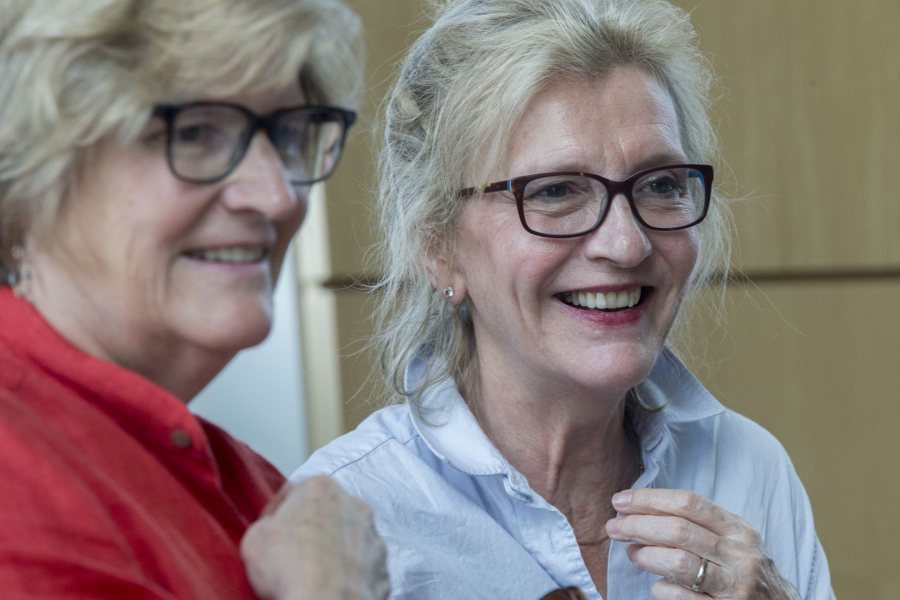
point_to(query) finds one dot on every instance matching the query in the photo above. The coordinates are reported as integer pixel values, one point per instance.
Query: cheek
(680, 254)
(690, 258)
(290, 225)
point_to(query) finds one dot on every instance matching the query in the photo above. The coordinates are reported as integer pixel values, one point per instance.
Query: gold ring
(701, 576)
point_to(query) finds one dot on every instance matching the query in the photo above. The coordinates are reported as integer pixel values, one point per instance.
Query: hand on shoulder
(315, 541)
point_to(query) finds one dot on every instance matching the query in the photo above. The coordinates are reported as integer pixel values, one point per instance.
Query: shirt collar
(448, 427)
(142, 408)
(682, 396)
(450, 430)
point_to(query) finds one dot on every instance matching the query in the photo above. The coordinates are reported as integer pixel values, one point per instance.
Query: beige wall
(335, 314)
(809, 120)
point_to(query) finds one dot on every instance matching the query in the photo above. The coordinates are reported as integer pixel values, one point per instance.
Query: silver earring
(19, 277)
(449, 292)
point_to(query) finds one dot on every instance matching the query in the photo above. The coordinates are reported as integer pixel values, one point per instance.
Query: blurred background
(808, 112)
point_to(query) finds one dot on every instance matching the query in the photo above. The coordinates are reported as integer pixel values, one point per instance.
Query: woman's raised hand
(315, 541)
(699, 549)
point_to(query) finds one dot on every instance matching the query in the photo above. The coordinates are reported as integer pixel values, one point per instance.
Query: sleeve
(788, 526)
(813, 577)
(756, 479)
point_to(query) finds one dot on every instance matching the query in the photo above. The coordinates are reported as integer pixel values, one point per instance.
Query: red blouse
(109, 486)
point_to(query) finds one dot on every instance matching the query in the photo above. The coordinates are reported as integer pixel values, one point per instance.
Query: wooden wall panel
(390, 25)
(816, 363)
(332, 246)
(362, 380)
(808, 117)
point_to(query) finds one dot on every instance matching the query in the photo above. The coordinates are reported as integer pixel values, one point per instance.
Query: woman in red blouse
(155, 161)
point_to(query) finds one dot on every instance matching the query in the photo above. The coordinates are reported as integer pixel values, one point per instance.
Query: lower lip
(615, 318)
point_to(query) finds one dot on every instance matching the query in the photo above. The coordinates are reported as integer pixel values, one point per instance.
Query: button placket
(181, 439)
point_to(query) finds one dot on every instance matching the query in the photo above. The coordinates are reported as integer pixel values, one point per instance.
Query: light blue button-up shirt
(461, 523)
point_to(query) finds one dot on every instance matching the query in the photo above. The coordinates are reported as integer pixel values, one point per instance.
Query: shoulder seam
(368, 452)
(812, 569)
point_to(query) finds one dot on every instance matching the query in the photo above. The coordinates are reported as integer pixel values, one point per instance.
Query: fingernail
(621, 500)
(613, 527)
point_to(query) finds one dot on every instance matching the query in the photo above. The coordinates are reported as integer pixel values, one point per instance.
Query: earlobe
(455, 293)
(444, 279)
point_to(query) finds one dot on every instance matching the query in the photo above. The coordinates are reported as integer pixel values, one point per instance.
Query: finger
(680, 503)
(669, 532)
(276, 500)
(666, 590)
(318, 491)
(677, 566)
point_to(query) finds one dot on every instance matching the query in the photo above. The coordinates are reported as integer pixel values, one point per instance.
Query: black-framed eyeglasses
(205, 141)
(569, 204)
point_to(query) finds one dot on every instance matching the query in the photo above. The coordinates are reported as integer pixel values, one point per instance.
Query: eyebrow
(658, 159)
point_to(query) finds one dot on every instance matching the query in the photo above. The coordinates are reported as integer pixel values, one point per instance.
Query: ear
(443, 275)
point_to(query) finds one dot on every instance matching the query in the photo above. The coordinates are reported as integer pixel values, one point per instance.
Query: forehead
(611, 126)
(260, 100)
(269, 100)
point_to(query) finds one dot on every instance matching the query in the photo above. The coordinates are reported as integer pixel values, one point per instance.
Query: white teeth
(230, 255)
(608, 301)
(586, 300)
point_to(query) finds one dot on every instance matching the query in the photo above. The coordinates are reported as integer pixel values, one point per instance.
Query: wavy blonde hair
(459, 93)
(75, 72)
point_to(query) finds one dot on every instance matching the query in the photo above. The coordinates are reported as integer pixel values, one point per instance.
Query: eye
(197, 134)
(556, 190)
(553, 191)
(666, 190)
(664, 185)
(291, 140)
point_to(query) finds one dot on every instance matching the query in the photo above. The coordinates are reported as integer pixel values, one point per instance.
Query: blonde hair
(75, 72)
(460, 91)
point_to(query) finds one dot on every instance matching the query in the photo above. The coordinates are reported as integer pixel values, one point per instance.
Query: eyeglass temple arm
(497, 186)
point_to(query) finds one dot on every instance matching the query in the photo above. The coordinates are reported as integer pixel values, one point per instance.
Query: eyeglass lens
(665, 198)
(208, 140)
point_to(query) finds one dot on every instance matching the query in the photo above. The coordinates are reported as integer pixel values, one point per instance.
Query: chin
(234, 330)
(250, 339)
(623, 369)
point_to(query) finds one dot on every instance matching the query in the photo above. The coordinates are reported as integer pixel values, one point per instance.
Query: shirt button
(180, 439)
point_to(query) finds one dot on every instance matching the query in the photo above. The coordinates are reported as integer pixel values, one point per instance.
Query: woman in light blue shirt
(548, 208)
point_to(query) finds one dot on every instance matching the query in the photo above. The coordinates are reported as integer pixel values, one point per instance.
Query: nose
(620, 239)
(260, 183)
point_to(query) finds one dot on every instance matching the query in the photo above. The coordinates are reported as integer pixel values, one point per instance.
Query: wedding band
(701, 575)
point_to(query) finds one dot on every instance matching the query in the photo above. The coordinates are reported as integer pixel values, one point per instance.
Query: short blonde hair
(460, 91)
(76, 71)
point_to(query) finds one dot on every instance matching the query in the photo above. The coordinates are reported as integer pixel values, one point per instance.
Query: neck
(572, 448)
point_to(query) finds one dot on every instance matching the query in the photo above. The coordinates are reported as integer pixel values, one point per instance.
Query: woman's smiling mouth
(235, 254)
(608, 301)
